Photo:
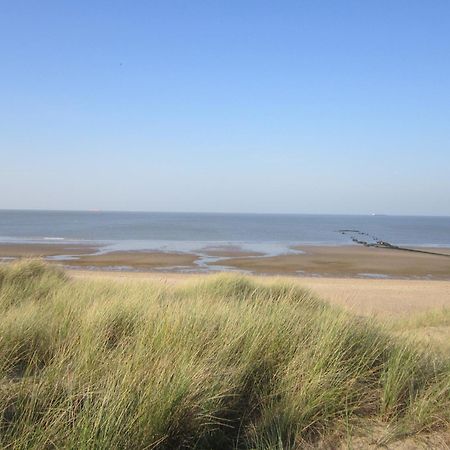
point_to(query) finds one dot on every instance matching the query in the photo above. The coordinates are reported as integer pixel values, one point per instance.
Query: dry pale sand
(384, 298)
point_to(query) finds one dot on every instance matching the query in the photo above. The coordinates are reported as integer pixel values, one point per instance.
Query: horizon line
(98, 210)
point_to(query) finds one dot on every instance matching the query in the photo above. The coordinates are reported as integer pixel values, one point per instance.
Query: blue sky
(253, 106)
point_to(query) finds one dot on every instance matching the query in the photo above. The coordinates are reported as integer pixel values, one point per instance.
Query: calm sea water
(270, 233)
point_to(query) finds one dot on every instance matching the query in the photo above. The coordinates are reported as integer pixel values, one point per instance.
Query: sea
(269, 234)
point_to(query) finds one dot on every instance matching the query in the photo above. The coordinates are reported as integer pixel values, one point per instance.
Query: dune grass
(218, 364)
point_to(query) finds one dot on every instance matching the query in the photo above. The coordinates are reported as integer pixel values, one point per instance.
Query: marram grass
(222, 363)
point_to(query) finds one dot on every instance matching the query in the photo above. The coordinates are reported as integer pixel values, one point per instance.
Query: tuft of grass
(25, 279)
(225, 362)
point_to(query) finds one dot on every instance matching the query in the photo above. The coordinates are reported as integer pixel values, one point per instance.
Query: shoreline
(306, 260)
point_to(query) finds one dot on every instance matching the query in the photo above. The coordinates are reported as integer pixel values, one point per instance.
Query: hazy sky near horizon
(245, 106)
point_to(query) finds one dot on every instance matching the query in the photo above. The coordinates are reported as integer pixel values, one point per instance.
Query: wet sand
(140, 260)
(43, 250)
(87, 257)
(350, 261)
(228, 252)
(340, 261)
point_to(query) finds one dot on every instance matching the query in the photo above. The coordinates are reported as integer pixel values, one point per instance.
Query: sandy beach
(312, 261)
(351, 261)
